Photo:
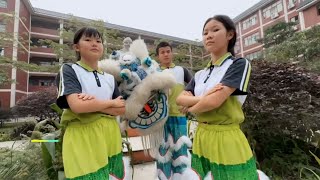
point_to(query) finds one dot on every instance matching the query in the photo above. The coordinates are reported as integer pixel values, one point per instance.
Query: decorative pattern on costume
(154, 110)
(171, 146)
(173, 157)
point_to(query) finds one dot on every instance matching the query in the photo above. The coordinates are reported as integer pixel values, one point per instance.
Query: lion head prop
(144, 86)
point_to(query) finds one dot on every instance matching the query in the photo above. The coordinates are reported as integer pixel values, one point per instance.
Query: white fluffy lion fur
(191, 175)
(188, 174)
(139, 49)
(127, 72)
(111, 67)
(262, 175)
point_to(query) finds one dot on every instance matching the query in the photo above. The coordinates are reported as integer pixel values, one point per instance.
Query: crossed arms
(212, 99)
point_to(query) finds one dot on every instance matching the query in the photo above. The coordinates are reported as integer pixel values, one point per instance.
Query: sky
(179, 18)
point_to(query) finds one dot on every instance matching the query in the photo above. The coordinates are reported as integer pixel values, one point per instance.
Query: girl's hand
(187, 93)
(85, 97)
(214, 89)
(183, 109)
(118, 102)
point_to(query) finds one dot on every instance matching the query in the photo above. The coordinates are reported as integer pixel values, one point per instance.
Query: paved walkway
(16, 145)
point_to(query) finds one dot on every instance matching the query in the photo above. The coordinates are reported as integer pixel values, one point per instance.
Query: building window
(45, 24)
(295, 19)
(45, 63)
(273, 10)
(3, 4)
(1, 51)
(291, 4)
(318, 9)
(45, 83)
(2, 27)
(251, 39)
(249, 22)
(255, 55)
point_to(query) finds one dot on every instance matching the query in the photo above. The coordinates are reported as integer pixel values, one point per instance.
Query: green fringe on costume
(246, 171)
(114, 167)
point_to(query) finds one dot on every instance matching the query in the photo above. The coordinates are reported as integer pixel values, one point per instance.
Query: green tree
(38, 105)
(277, 33)
(190, 56)
(64, 50)
(288, 50)
(313, 46)
(301, 47)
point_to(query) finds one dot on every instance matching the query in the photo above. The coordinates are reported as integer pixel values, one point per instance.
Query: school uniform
(92, 144)
(219, 146)
(173, 156)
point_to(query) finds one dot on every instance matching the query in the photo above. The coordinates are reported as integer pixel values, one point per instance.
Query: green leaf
(56, 108)
(317, 159)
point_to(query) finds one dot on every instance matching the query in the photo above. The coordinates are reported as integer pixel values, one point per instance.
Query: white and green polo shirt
(230, 72)
(80, 78)
(182, 76)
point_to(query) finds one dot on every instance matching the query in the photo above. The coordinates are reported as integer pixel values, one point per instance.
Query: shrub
(282, 114)
(38, 105)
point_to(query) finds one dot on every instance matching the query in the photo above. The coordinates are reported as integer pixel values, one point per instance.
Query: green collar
(88, 68)
(172, 65)
(220, 61)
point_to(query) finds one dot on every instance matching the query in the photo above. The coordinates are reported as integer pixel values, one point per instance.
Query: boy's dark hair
(162, 44)
(229, 25)
(87, 32)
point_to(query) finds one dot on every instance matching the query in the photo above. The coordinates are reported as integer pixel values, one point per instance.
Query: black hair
(87, 32)
(162, 44)
(229, 25)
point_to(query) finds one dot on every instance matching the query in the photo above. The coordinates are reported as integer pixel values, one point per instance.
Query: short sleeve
(187, 75)
(238, 75)
(190, 86)
(67, 83)
(116, 91)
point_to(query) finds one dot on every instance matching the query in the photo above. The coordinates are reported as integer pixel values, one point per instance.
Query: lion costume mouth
(154, 110)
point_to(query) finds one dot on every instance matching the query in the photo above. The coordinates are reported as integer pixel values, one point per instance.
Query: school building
(33, 24)
(251, 23)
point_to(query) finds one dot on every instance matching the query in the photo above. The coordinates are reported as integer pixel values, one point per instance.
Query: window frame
(3, 3)
(1, 51)
(3, 27)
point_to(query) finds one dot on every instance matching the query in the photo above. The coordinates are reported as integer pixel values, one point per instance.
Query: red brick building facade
(252, 22)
